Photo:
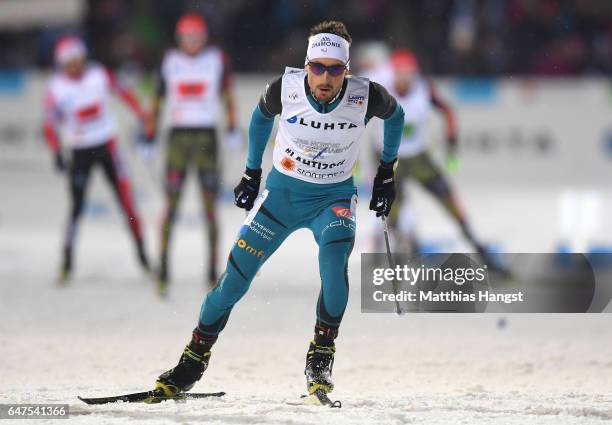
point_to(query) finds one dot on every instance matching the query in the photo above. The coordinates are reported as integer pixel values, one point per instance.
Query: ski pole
(398, 310)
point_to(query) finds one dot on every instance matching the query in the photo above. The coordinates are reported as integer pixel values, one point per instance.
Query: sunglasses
(333, 70)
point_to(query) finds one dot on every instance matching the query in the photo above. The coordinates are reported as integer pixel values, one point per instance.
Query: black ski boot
(320, 360)
(190, 368)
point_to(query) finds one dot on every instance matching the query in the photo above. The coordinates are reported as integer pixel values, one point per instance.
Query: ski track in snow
(107, 333)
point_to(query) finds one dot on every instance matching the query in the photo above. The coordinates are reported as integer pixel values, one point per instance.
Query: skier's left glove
(383, 190)
(248, 189)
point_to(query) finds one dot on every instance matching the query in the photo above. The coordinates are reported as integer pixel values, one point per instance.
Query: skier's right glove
(248, 189)
(383, 190)
(60, 163)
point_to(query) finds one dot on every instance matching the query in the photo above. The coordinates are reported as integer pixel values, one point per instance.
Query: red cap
(68, 48)
(404, 60)
(191, 23)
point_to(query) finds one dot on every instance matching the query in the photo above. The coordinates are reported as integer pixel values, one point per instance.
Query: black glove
(248, 189)
(60, 163)
(383, 190)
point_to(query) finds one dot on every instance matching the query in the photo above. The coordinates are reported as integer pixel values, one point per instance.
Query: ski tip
(84, 400)
(315, 399)
(203, 395)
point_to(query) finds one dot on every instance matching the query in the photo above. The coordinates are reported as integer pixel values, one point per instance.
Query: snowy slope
(107, 332)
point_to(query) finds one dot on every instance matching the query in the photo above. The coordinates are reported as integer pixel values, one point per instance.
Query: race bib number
(89, 112)
(192, 89)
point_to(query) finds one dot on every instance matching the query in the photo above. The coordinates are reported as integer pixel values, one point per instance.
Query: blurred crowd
(461, 37)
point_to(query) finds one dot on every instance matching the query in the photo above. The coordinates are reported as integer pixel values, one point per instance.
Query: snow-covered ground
(107, 332)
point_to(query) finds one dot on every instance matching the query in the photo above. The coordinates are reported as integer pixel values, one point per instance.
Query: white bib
(315, 147)
(417, 107)
(82, 103)
(193, 87)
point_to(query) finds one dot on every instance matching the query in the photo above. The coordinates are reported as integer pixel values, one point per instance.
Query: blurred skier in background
(194, 82)
(77, 112)
(418, 98)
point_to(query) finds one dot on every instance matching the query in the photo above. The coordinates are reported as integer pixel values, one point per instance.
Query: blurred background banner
(553, 132)
(17, 15)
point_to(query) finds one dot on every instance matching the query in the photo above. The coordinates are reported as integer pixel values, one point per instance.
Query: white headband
(325, 45)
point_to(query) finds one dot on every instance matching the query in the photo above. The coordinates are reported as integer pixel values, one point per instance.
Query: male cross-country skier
(77, 107)
(194, 81)
(418, 97)
(323, 113)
